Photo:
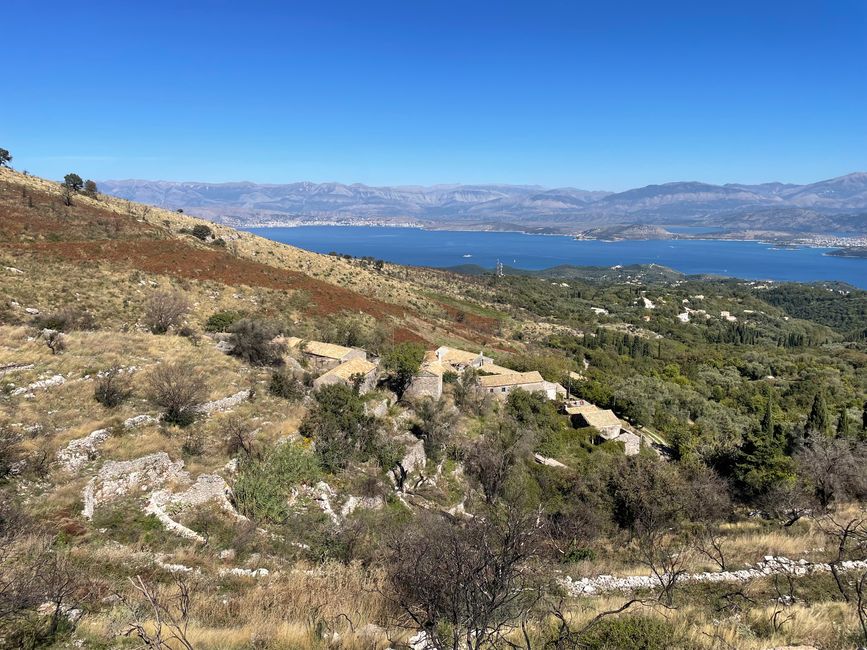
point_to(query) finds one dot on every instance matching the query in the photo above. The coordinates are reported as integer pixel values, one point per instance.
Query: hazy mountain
(830, 204)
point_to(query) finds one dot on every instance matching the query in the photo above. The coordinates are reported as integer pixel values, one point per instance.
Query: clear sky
(598, 95)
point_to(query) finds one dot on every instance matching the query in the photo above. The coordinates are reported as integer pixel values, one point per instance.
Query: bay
(444, 248)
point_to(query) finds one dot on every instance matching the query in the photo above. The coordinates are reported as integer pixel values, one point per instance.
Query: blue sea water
(444, 248)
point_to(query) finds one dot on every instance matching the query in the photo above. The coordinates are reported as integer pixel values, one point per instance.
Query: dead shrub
(178, 388)
(164, 310)
(112, 388)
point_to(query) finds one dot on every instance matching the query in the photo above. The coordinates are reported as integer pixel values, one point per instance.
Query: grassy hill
(170, 476)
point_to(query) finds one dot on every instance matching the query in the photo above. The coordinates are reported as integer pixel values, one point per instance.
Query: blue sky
(601, 95)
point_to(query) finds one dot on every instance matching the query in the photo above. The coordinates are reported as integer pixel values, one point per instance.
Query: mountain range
(837, 204)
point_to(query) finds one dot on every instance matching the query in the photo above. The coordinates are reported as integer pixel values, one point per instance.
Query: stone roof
(349, 368)
(452, 356)
(595, 416)
(494, 369)
(327, 350)
(511, 379)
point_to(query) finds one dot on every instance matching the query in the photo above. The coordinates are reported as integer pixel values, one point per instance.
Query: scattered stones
(32, 311)
(227, 554)
(244, 573)
(43, 384)
(139, 421)
(13, 270)
(174, 568)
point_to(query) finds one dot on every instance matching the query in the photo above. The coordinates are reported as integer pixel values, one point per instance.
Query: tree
(843, 428)
(201, 231)
(253, 341)
(164, 310)
(5, 157)
(73, 182)
(768, 419)
(402, 363)
(818, 422)
(435, 424)
(864, 418)
(90, 188)
(340, 428)
(179, 389)
(466, 584)
(761, 464)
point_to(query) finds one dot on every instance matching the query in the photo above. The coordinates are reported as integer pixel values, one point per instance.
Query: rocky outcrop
(80, 451)
(117, 479)
(768, 566)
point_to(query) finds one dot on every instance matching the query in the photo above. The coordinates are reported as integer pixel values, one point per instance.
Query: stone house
(346, 372)
(324, 356)
(584, 414)
(502, 385)
(427, 382)
(455, 360)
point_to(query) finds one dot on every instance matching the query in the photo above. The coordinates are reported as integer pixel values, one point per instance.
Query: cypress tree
(818, 421)
(768, 419)
(843, 423)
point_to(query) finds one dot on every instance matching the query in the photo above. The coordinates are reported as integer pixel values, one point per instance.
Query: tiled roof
(349, 368)
(511, 379)
(327, 350)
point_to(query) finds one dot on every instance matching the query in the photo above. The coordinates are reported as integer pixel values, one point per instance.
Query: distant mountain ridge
(834, 203)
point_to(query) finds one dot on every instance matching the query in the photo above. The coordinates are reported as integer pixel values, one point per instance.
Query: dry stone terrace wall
(768, 566)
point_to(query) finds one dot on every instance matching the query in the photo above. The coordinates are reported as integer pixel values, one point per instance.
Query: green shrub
(263, 485)
(201, 231)
(253, 341)
(286, 385)
(634, 632)
(221, 321)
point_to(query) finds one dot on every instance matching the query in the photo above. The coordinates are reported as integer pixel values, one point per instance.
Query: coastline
(775, 244)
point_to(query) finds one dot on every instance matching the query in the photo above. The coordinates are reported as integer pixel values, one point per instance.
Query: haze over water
(443, 248)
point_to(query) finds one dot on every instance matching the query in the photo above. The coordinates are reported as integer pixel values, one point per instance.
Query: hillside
(212, 440)
(826, 206)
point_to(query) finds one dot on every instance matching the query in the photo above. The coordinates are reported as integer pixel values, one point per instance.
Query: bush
(635, 632)
(402, 362)
(164, 310)
(341, 428)
(222, 321)
(66, 319)
(263, 486)
(201, 231)
(178, 388)
(253, 341)
(286, 385)
(111, 388)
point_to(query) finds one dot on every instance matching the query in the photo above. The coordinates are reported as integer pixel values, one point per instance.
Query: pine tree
(818, 422)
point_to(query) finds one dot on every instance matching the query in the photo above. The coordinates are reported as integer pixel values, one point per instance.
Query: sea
(749, 260)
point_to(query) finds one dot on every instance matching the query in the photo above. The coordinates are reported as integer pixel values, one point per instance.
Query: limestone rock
(116, 479)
